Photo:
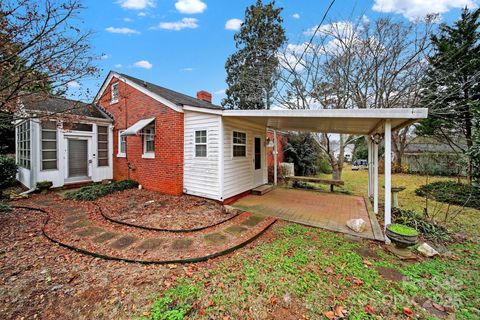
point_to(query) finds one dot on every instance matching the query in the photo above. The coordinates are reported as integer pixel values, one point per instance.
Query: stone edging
(106, 257)
(161, 229)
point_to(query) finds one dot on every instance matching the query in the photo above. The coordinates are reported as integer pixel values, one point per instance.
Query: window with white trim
(122, 144)
(102, 145)
(239, 144)
(149, 139)
(23, 145)
(201, 143)
(115, 93)
(49, 145)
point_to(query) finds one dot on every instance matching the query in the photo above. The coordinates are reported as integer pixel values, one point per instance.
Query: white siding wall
(201, 176)
(238, 172)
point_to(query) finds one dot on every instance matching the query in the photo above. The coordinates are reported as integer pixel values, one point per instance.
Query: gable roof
(60, 105)
(173, 96)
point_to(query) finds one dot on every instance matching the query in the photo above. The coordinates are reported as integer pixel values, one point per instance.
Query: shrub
(5, 207)
(411, 219)
(451, 192)
(97, 190)
(8, 171)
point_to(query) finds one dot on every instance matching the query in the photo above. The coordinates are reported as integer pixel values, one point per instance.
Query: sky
(183, 44)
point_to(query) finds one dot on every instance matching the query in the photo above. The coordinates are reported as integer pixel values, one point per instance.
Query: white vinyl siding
(201, 174)
(238, 171)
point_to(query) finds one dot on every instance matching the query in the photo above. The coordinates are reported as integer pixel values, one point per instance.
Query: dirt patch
(160, 211)
(390, 274)
(291, 310)
(366, 252)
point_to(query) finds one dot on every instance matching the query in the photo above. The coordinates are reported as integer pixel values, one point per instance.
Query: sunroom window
(23, 145)
(49, 145)
(102, 145)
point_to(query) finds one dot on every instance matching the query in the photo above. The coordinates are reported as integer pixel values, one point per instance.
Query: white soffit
(137, 127)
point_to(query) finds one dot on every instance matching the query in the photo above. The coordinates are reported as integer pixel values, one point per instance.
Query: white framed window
(49, 146)
(102, 146)
(122, 144)
(239, 142)
(115, 94)
(201, 143)
(149, 142)
(23, 145)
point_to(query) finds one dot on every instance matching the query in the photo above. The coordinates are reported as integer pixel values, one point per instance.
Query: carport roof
(349, 121)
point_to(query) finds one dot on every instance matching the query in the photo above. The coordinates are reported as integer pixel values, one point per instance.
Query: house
(66, 149)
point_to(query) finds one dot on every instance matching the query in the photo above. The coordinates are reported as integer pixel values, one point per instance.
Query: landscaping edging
(171, 261)
(161, 229)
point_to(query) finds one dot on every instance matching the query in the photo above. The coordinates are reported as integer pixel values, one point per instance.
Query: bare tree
(42, 50)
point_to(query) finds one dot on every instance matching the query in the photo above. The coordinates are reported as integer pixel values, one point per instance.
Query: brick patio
(324, 210)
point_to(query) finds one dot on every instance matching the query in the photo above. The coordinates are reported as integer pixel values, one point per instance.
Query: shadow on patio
(324, 210)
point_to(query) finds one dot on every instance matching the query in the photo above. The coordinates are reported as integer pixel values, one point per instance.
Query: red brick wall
(281, 141)
(164, 173)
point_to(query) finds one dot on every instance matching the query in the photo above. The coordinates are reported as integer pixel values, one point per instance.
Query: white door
(78, 160)
(257, 161)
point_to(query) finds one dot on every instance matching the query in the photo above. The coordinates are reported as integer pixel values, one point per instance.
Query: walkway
(329, 211)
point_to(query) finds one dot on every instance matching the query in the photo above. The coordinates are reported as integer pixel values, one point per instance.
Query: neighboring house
(174, 143)
(429, 156)
(49, 147)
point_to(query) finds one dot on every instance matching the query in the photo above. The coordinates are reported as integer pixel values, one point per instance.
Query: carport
(375, 124)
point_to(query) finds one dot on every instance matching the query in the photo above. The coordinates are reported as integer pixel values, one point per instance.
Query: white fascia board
(203, 110)
(393, 113)
(160, 99)
(36, 114)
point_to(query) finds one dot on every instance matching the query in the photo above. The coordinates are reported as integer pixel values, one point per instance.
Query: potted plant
(43, 186)
(402, 236)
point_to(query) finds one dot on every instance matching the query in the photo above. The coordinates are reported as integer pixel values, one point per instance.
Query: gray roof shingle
(173, 96)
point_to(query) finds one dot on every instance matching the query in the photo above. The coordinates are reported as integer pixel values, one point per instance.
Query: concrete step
(261, 190)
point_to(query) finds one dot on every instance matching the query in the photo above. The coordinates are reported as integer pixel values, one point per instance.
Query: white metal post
(369, 161)
(388, 173)
(275, 158)
(375, 178)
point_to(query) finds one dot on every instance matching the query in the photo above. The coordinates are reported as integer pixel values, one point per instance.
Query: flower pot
(399, 237)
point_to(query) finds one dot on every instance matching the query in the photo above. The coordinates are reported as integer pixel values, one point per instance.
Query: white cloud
(104, 57)
(118, 65)
(415, 9)
(338, 28)
(185, 23)
(127, 19)
(190, 6)
(187, 69)
(73, 84)
(233, 24)
(220, 92)
(142, 14)
(136, 4)
(296, 16)
(143, 64)
(122, 30)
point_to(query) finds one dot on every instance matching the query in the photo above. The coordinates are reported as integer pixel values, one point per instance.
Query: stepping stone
(182, 244)
(78, 224)
(104, 237)
(90, 231)
(74, 218)
(215, 237)
(252, 221)
(150, 244)
(235, 229)
(123, 242)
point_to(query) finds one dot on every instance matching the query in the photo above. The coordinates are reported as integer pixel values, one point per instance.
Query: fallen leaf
(328, 270)
(369, 309)
(357, 282)
(408, 312)
(340, 311)
(171, 266)
(366, 262)
(439, 307)
(273, 300)
(330, 315)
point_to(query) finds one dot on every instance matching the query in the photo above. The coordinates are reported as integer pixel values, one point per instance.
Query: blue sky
(183, 44)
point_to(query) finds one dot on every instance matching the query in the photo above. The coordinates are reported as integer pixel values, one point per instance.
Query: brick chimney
(204, 95)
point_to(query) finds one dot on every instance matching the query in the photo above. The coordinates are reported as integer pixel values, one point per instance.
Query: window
(82, 127)
(23, 145)
(149, 139)
(49, 145)
(122, 144)
(102, 145)
(239, 144)
(201, 143)
(114, 93)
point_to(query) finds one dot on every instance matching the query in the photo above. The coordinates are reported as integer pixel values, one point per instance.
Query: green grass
(402, 230)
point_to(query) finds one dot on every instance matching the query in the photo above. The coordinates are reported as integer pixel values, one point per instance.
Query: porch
(329, 211)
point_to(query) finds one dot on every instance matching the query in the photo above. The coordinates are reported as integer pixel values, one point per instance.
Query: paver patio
(329, 211)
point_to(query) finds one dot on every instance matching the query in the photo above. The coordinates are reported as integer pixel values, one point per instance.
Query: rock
(427, 250)
(357, 225)
(149, 202)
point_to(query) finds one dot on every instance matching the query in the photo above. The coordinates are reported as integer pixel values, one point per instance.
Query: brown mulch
(161, 211)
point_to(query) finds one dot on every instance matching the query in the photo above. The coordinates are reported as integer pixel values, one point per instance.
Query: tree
(451, 87)
(252, 70)
(42, 50)
(302, 150)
